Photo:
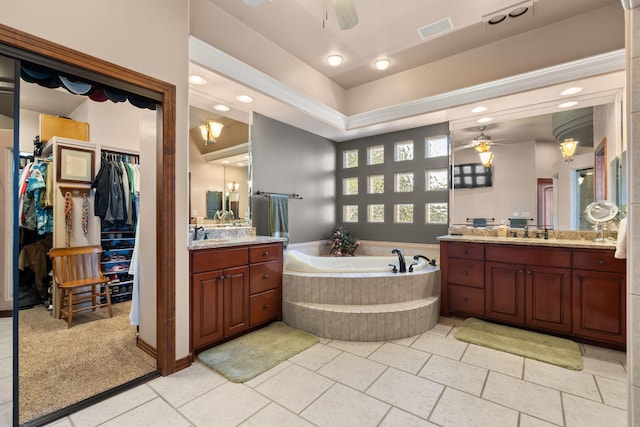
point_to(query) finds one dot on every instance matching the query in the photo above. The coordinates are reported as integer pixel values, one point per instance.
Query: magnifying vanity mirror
(219, 169)
(600, 213)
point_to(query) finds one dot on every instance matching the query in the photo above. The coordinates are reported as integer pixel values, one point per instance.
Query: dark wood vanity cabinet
(569, 291)
(232, 290)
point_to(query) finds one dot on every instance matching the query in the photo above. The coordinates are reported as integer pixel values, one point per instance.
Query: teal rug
(250, 355)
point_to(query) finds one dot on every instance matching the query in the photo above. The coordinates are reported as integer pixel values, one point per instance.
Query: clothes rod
(267, 194)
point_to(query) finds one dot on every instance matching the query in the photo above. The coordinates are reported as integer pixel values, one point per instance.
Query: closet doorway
(19, 45)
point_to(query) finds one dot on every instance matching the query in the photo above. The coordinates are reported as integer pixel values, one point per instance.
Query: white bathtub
(296, 261)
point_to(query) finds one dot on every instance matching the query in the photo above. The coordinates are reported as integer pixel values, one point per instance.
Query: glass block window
(403, 151)
(375, 155)
(350, 213)
(436, 179)
(375, 213)
(350, 159)
(403, 213)
(436, 213)
(375, 184)
(404, 182)
(437, 146)
(350, 186)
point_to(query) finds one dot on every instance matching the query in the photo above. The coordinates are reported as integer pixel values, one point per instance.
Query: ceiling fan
(481, 143)
(345, 11)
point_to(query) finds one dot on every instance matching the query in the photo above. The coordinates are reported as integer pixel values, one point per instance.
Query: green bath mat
(545, 348)
(250, 355)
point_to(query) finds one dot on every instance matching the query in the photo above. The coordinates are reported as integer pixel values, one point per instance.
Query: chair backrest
(75, 263)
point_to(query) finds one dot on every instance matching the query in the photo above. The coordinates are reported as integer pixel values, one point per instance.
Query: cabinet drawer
(265, 276)
(466, 272)
(601, 260)
(465, 250)
(464, 299)
(548, 257)
(261, 253)
(265, 306)
(214, 259)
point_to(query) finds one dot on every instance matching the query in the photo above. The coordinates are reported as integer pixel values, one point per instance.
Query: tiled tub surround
(363, 306)
(575, 235)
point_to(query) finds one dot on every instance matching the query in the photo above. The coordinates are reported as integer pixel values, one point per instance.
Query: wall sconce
(568, 148)
(210, 130)
(233, 186)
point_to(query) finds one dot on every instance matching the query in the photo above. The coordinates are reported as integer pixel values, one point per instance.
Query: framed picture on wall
(75, 164)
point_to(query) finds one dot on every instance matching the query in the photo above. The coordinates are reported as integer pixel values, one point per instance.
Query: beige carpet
(545, 348)
(60, 366)
(250, 355)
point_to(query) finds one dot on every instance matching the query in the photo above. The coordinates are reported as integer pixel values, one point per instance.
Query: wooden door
(548, 298)
(236, 291)
(207, 305)
(504, 287)
(545, 203)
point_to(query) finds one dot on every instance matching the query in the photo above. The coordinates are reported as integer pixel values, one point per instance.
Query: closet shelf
(75, 191)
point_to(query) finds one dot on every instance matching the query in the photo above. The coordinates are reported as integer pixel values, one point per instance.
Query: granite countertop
(565, 243)
(230, 241)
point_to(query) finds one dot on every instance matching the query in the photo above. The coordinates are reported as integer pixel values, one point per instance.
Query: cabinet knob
(264, 307)
(465, 272)
(265, 253)
(466, 299)
(601, 261)
(221, 277)
(265, 276)
(228, 276)
(466, 252)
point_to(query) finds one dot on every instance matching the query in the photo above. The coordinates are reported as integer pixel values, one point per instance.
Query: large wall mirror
(220, 168)
(529, 180)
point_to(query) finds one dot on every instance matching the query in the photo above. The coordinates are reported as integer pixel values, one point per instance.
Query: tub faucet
(429, 261)
(403, 265)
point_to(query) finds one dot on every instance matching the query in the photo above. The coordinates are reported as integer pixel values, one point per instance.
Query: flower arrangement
(342, 242)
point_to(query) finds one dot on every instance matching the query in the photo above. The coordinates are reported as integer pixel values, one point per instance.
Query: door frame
(165, 181)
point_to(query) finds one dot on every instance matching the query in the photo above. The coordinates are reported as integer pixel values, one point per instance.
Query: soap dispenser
(502, 229)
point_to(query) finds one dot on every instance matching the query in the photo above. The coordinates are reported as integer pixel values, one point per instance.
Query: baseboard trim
(146, 347)
(6, 313)
(183, 363)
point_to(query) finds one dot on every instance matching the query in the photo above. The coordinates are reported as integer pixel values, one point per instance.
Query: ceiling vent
(435, 28)
(508, 15)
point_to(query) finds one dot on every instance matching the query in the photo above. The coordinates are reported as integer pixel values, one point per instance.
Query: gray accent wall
(289, 160)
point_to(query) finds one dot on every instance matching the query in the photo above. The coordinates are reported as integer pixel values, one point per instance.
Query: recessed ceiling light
(479, 109)
(244, 98)
(196, 79)
(221, 107)
(518, 12)
(334, 60)
(497, 19)
(567, 104)
(225, 161)
(485, 120)
(571, 91)
(382, 64)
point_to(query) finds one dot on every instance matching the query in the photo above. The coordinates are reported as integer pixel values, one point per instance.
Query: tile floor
(427, 380)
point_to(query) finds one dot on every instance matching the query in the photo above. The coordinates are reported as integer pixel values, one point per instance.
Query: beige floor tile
(6, 414)
(6, 389)
(494, 360)
(459, 375)
(228, 405)
(353, 371)
(362, 349)
(604, 353)
(533, 399)
(413, 394)
(400, 357)
(187, 384)
(6, 350)
(442, 346)
(256, 381)
(65, 422)
(614, 393)
(575, 382)
(295, 387)
(406, 342)
(581, 412)
(113, 407)
(157, 413)
(315, 357)
(440, 329)
(397, 417)
(274, 415)
(6, 367)
(456, 408)
(343, 406)
(529, 421)
(609, 368)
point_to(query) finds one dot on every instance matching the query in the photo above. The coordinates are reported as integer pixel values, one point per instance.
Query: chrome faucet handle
(411, 266)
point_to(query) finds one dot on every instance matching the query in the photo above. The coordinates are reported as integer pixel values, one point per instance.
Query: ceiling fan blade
(345, 13)
(465, 146)
(253, 3)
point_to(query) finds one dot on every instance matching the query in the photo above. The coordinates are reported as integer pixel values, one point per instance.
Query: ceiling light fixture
(568, 149)
(210, 131)
(382, 64)
(334, 60)
(486, 156)
(497, 19)
(567, 104)
(518, 12)
(221, 107)
(244, 98)
(485, 120)
(479, 109)
(571, 91)
(196, 79)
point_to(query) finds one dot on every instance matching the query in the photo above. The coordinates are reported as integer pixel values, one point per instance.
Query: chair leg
(69, 308)
(60, 302)
(107, 292)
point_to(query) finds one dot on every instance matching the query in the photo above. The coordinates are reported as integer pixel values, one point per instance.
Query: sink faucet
(195, 232)
(526, 232)
(429, 261)
(403, 265)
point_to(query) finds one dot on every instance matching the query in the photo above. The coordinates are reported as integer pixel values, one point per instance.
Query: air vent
(509, 15)
(435, 28)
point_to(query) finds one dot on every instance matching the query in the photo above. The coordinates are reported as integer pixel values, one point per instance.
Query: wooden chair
(76, 273)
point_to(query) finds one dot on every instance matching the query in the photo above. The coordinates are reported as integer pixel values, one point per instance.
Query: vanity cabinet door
(548, 297)
(599, 306)
(207, 308)
(236, 294)
(504, 287)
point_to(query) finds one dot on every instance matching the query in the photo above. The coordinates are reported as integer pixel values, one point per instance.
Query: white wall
(204, 177)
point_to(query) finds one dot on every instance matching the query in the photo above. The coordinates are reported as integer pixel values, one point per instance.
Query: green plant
(342, 242)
